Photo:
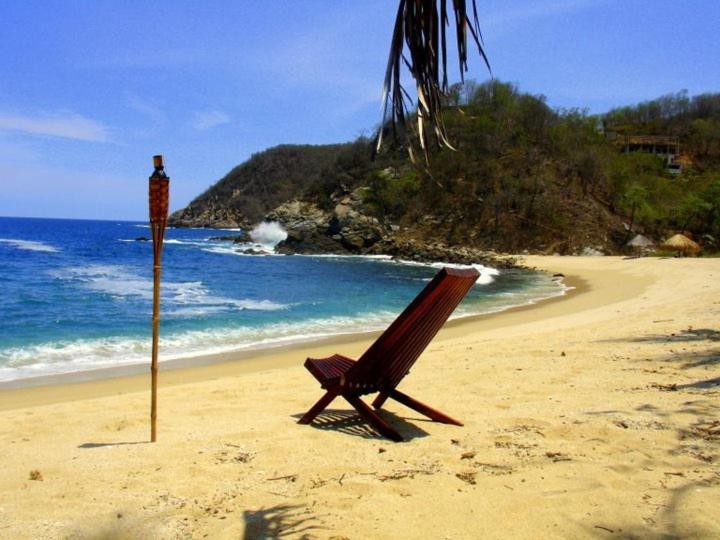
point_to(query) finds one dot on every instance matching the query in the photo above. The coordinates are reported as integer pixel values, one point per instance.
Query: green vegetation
(267, 179)
(523, 176)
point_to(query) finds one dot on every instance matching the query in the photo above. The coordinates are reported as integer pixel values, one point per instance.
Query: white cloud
(204, 120)
(501, 20)
(321, 63)
(149, 109)
(65, 125)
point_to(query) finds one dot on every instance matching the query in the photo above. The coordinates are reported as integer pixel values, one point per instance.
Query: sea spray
(268, 233)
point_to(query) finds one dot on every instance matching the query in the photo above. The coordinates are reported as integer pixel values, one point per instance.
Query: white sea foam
(240, 250)
(80, 355)
(29, 245)
(118, 282)
(344, 256)
(231, 229)
(268, 233)
(487, 273)
(171, 241)
(508, 300)
(174, 241)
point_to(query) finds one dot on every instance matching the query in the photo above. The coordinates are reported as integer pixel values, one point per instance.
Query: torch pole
(157, 268)
(159, 187)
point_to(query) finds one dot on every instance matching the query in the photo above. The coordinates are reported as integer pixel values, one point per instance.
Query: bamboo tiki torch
(159, 185)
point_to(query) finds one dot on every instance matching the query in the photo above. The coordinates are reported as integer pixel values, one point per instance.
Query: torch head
(159, 184)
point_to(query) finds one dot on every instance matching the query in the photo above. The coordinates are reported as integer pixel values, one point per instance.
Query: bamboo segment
(159, 187)
(154, 364)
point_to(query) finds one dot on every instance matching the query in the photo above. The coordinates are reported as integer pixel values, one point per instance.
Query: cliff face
(257, 186)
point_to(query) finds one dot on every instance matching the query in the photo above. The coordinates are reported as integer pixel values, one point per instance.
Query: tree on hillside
(421, 28)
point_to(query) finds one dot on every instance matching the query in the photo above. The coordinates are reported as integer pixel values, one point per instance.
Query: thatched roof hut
(681, 244)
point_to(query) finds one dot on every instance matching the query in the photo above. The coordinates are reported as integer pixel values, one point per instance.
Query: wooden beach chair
(384, 365)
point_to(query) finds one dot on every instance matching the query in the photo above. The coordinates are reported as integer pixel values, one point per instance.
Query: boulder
(307, 227)
(641, 243)
(591, 252)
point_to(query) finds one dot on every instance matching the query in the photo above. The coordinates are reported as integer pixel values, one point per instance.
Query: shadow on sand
(688, 335)
(283, 520)
(685, 359)
(695, 422)
(102, 444)
(351, 423)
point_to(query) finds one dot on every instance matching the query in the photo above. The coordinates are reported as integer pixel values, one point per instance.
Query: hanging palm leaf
(421, 26)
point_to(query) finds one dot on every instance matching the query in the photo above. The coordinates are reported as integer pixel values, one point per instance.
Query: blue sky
(89, 91)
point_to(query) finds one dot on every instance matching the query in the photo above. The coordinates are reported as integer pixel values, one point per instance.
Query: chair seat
(328, 370)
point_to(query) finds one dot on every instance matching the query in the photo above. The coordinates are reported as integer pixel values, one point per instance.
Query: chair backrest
(389, 359)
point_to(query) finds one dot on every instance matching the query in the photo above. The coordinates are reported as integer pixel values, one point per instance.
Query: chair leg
(318, 407)
(416, 405)
(380, 399)
(368, 414)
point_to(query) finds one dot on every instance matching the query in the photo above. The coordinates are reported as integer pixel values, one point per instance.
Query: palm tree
(420, 25)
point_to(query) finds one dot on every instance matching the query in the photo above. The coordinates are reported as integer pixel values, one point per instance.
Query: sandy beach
(594, 415)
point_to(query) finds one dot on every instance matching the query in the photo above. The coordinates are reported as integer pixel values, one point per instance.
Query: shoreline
(100, 382)
(124, 363)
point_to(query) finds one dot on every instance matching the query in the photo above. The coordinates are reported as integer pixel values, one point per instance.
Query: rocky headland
(525, 179)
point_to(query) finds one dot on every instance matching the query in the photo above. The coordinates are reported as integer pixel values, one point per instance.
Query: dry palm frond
(421, 26)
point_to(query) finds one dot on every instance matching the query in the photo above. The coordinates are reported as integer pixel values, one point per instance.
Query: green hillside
(524, 176)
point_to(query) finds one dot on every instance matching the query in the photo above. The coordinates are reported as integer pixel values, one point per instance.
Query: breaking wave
(84, 354)
(29, 245)
(120, 283)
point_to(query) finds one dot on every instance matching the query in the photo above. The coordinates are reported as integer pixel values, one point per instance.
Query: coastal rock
(306, 227)
(355, 229)
(240, 238)
(313, 230)
(251, 251)
(591, 252)
(213, 217)
(299, 215)
(414, 250)
(349, 229)
(641, 243)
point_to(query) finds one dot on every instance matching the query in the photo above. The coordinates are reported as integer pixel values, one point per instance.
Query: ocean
(77, 294)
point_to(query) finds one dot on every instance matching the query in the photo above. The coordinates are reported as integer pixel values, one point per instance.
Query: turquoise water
(77, 295)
